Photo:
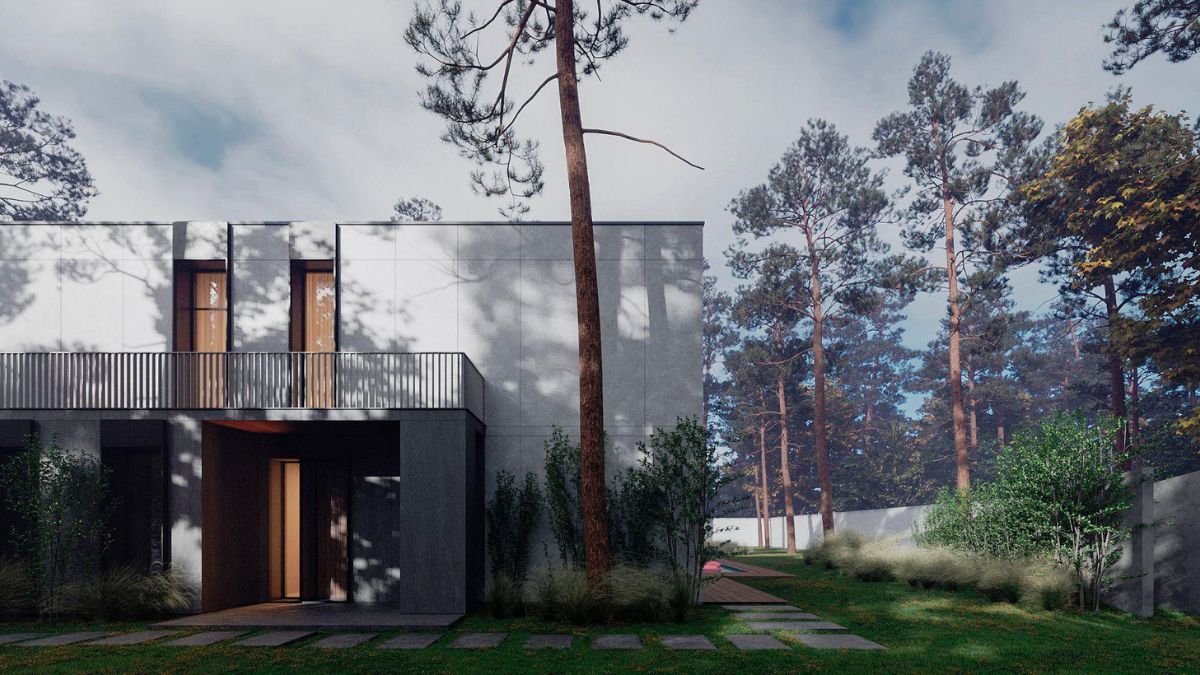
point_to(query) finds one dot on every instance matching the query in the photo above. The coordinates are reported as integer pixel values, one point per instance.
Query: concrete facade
(503, 294)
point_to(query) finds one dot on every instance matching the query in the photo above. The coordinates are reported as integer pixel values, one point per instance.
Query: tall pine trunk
(789, 510)
(587, 303)
(758, 507)
(766, 494)
(973, 407)
(820, 428)
(1116, 370)
(962, 460)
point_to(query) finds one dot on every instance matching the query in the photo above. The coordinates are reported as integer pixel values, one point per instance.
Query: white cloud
(326, 96)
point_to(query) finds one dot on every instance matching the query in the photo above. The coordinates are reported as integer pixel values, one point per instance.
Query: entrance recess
(284, 529)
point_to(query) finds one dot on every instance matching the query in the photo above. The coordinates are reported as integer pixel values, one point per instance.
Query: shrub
(505, 597)
(61, 498)
(127, 593)
(681, 598)
(875, 561)
(835, 549)
(1002, 580)
(512, 515)
(15, 599)
(937, 568)
(563, 595)
(562, 496)
(640, 594)
(1050, 587)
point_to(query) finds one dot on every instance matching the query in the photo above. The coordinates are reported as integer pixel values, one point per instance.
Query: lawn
(924, 631)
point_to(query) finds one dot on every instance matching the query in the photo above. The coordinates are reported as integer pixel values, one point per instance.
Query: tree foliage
(1152, 26)
(512, 516)
(41, 176)
(416, 209)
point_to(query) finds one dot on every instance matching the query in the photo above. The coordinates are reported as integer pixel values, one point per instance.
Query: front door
(308, 530)
(284, 529)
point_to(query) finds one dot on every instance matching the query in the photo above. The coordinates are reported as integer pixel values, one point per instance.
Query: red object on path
(712, 567)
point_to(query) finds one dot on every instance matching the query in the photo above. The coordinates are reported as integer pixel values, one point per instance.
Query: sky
(306, 110)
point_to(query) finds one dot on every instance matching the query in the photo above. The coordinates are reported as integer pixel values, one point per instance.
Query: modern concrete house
(315, 411)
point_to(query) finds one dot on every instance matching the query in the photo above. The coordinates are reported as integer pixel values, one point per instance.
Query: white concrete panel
(31, 313)
(260, 305)
(92, 299)
(426, 242)
(93, 242)
(368, 242)
(674, 242)
(200, 240)
(311, 240)
(489, 332)
(623, 330)
(619, 242)
(426, 305)
(146, 300)
(30, 242)
(261, 242)
(673, 351)
(148, 242)
(367, 316)
(546, 242)
(549, 343)
(489, 242)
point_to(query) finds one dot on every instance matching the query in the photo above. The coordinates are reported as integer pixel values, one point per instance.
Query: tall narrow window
(201, 325)
(314, 317)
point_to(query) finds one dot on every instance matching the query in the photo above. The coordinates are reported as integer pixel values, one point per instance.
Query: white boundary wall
(874, 523)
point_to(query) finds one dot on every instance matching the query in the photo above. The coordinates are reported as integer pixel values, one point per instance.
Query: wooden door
(319, 320)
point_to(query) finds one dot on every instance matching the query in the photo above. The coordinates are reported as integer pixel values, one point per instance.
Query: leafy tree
(964, 149)
(823, 191)
(416, 209)
(1151, 26)
(41, 176)
(1115, 214)
(60, 497)
(481, 121)
(718, 337)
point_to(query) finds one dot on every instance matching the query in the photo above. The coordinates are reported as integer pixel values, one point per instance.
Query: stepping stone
(794, 625)
(548, 642)
(689, 642)
(837, 641)
(275, 638)
(754, 642)
(63, 639)
(133, 638)
(17, 637)
(478, 640)
(617, 642)
(775, 616)
(762, 608)
(343, 640)
(411, 641)
(204, 639)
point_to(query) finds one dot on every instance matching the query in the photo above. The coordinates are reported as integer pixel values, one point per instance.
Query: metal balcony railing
(255, 380)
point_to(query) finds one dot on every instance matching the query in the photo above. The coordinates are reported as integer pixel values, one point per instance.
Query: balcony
(253, 380)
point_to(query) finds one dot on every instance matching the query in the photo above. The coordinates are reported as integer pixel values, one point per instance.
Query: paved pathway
(807, 629)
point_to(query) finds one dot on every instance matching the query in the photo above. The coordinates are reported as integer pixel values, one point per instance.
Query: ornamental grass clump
(15, 599)
(1002, 580)
(937, 568)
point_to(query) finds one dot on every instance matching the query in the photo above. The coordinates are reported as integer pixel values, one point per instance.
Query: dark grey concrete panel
(343, 640)
(63, 639)
(548, 642)
(617, 642)
(688, 642)
(275, 638)
(411, 641)
(776, 616)
(754, 642)
(837, 641)
(794, 625)
(204, 639)
(136, 638)
(478, 641)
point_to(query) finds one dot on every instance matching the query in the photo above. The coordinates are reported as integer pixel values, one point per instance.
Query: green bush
(937, 568)
(640, 594)
(563, 595)
(15, 599)
(127, 593)
(682, 599)
(505, 597)
(1049, 587)
(511, 517)
(1002, 580)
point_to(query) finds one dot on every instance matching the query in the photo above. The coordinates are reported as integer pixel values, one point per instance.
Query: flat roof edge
(280, 223)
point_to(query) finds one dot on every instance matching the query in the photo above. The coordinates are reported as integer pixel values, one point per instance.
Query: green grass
(926, 631)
